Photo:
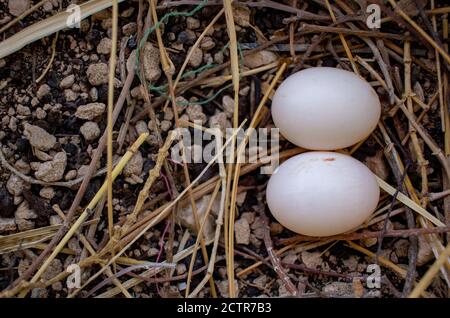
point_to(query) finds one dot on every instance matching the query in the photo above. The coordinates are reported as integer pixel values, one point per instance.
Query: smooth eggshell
(322, 193)
(325, 108)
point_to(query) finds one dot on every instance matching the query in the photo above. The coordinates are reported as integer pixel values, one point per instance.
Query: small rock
(48, 7)
(38, 137)
(249, 216)
(129, 29)
(150, 60)
(16, 185)
(165, 125)
(311, 259)
(241, 16)
(195, 113)
(104, 47)
(90, 111)
(181, 268)
(207, 43)
(276, 228)
(185, 217)
(260, 58)
(220, 121)
(90, 130)
(22, 166)
(17, 7)
(196, 57)
(186, 37)
(67, 82)
(55, 220)
(23, 110)
(70, 95)
(141, 127)
(72, 174)
(351, 263)
(24, 216)
(47, 193)
(260, 281)
(242, 231)
(54, 269)
(93, 94)
(43, 91)
(192, 23)
(223, 288)
(341, 289)
(43, 156)
(134, 166)
(425, 253)
(228, 105)
(97, 74)
(258, 228)
(52, 171)
(7, 225)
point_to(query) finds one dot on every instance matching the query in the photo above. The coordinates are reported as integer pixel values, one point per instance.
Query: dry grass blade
(117, 170)
(49, 26)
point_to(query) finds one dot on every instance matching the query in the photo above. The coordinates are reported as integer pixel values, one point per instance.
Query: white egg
(325, 108)
(322, 193)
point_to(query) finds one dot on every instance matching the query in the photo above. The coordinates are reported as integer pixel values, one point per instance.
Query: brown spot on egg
(329, 159)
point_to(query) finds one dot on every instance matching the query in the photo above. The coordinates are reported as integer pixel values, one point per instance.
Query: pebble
(192, 23)
(70, 95)
(23, 110)
(129, 29)
(241, 16)
(223, 288)
(104, 47)
(311, 259)
(38, 137)
(43, 91)
(43, 156)
(93, 94)
(151, 62)
(134, 166)
(22, 166)
(242, 231)
(141, 127)
(17, 7)
(40, 113)
(228, 105)
(196, 57)
(195, 113)
(185, 217)
(16, 185)
(207, 43)
(67, 82)
(7, 225)
(52, 171)
(97, 74)
(47, 193)
(48, 7)
(260, 58)
(24, 217)
(72, 174)
(90, 130)
(90, 111)
(424, 253)
(165, 125)
(249, 216)
(338, 289)
(220, 121)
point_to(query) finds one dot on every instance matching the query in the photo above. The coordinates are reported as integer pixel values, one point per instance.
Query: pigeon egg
(325, 108)
(322, 193)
